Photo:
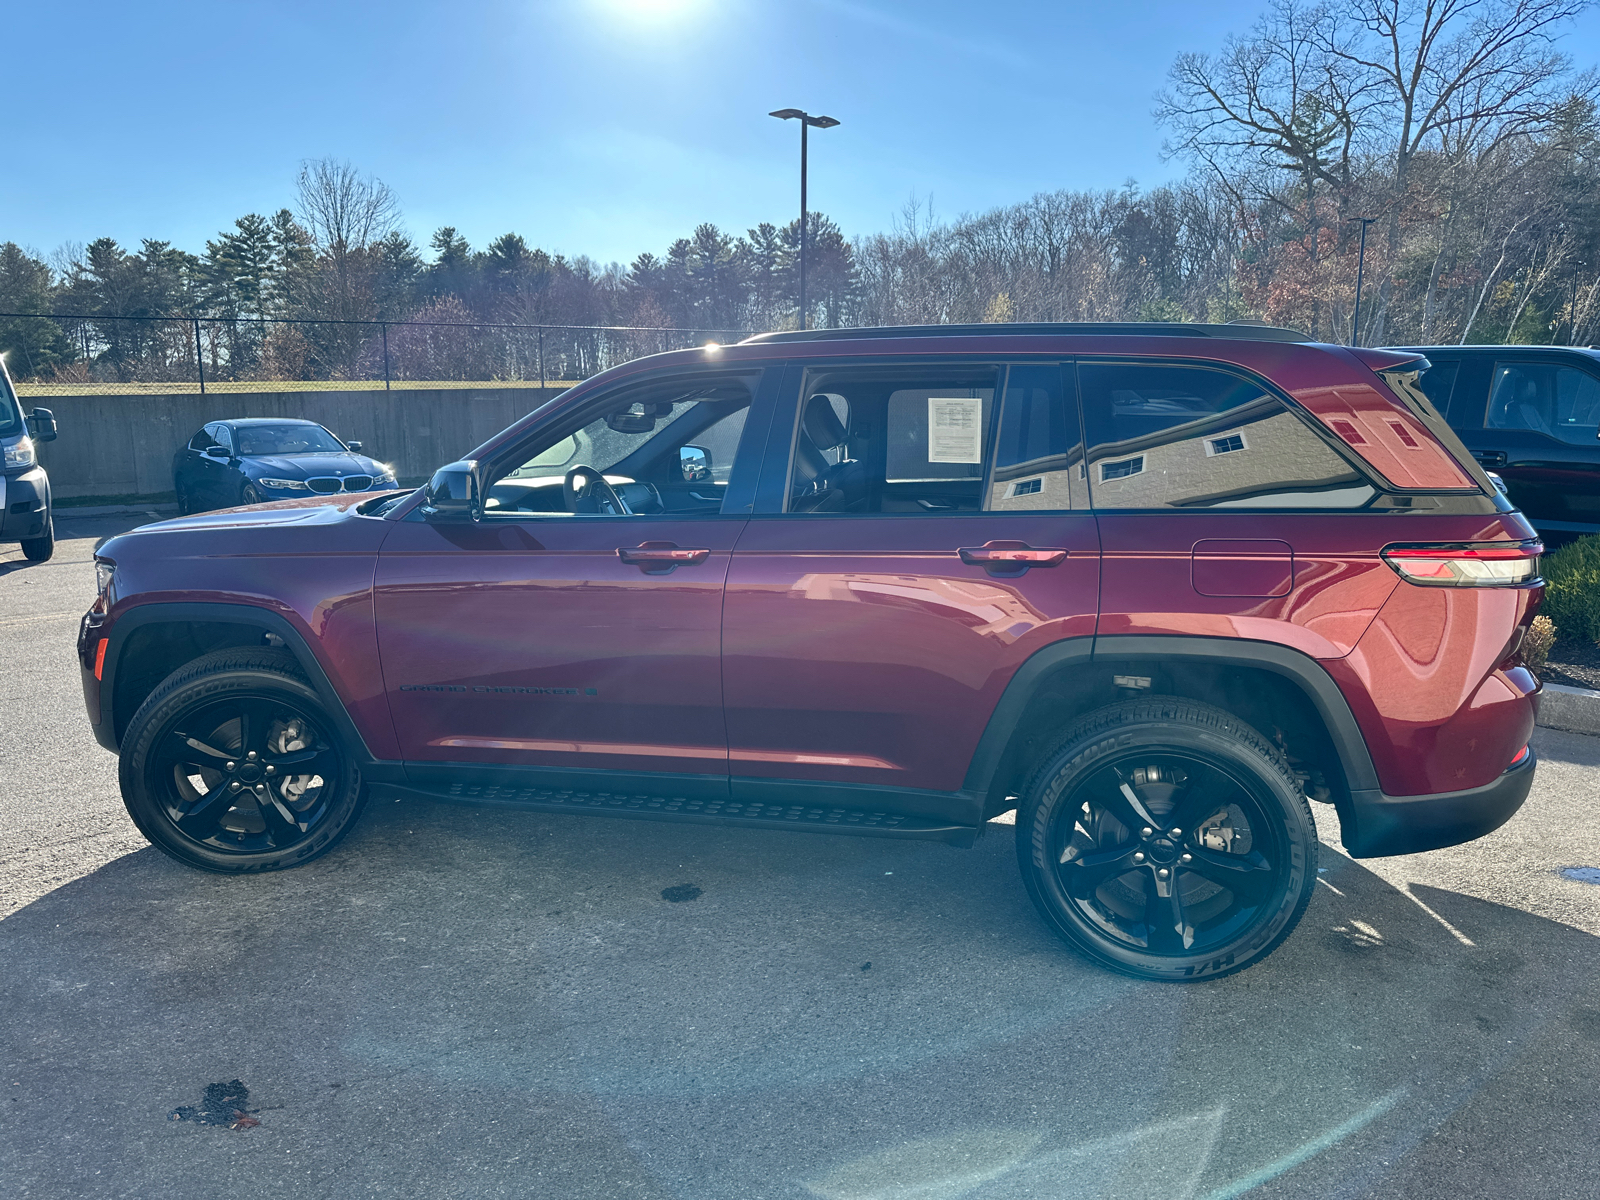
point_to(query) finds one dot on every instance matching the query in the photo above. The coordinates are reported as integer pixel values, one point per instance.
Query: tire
(1201, 873)
(185, 502)
(249, 495)
(40, 549)
(205, 764)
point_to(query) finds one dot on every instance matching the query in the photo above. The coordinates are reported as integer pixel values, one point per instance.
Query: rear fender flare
(1303, 671)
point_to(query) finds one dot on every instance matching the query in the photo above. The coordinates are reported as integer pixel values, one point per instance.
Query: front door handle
(659, 558)
(1010, 558)
(1490, 458)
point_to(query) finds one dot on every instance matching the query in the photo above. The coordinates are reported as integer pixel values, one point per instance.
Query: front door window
(1562, 402)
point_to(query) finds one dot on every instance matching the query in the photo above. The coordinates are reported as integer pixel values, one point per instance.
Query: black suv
(1531, 414)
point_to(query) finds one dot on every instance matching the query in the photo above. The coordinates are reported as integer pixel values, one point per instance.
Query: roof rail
(1239, 330)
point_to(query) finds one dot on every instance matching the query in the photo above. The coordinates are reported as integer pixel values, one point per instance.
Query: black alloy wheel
(233, 765)
(1168, 840)
(251, 495)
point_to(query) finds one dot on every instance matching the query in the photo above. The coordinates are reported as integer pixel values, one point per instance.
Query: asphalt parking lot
(466, 1002)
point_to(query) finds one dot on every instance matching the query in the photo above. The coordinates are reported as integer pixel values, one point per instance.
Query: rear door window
(1178, 436)
(1544, 397)
(1038, 456)
(910, 439)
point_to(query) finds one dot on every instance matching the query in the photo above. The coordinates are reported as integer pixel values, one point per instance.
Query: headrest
(822, 424)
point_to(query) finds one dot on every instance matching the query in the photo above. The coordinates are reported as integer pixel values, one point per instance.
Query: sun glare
(652, 9)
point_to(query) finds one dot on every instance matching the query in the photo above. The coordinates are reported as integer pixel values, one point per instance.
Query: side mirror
(695, 463)
(454, 491)
(218, 453)
(42, 424)
(353, 447)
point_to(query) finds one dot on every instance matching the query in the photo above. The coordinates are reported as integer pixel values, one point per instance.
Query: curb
(1577, 710)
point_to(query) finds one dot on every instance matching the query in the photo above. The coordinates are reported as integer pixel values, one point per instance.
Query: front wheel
(251, 495)
(40, 549)
(233, 764)
(1168, 840)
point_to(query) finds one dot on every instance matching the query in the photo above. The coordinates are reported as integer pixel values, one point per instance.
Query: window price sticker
(955, 430)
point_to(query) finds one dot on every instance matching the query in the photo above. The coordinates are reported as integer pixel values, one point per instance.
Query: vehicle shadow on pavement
(475, 1002)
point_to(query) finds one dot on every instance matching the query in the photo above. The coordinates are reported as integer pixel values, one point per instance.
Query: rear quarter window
(1172, 436)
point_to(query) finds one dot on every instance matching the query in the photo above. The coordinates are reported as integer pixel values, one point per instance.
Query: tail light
(1497, 564)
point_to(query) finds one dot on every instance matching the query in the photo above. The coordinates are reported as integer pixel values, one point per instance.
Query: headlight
(20, 452)
(287, 485)
(105, 575)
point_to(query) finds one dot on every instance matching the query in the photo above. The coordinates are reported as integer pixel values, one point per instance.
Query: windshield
(286, 439)
(10, 414)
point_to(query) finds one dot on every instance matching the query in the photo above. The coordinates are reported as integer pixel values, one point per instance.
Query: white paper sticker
(955, 430)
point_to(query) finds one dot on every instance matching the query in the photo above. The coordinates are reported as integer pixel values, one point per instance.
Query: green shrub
(1572, 592)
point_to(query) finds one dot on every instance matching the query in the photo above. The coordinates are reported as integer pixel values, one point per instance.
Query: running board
(748, 814)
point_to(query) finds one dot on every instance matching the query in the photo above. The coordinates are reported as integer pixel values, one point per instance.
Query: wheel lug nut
(233, 766)
(1146, 831)
(235, 786)
(272, 770)
(251, 755)
(1187, 858)
(1163, 873)
(1177, 833)
(1138, 857)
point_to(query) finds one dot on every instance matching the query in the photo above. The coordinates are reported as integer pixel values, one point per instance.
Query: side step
(749, 814)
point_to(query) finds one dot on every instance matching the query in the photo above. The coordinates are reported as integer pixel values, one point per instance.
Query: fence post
(199, 359)
(386, 356)
(541, 358)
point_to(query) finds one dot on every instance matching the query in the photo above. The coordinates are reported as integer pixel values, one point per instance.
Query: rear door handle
(1010, 558)
(658, 558)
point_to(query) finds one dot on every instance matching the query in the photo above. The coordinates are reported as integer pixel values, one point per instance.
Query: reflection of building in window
(1026, 487)
(1404, 434)
(1121, 470)
(1191, 466)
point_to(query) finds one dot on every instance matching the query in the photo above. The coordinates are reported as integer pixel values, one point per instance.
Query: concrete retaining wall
(122, 446)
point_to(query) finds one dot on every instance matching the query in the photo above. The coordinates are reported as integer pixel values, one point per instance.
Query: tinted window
(1437, 382)
(1194, 437)
(1038, 456)
(908, 439)
(223, 435)
(287, 439)
(10, 414)
(202, 440)
(1561, 401)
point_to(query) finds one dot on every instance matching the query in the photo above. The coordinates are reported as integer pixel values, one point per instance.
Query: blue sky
(599, 127)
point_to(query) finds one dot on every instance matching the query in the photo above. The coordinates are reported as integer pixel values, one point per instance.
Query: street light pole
(1361, 263)
(806, 121)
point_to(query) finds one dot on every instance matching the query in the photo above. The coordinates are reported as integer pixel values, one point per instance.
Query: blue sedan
(256, 459)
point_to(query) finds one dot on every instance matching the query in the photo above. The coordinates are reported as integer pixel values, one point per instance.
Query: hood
(275, 512)
(308, 466)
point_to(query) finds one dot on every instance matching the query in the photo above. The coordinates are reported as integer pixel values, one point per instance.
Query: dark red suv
(1153, 587)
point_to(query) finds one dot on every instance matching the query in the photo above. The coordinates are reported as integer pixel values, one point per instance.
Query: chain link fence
(203, 354)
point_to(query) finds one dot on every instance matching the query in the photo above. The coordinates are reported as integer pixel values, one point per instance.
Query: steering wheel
(583, 489)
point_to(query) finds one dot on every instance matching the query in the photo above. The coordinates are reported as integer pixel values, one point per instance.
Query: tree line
(1454, 131)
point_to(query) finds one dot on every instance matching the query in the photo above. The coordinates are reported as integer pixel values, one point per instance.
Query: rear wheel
(1168, 840)
(233, 765)
(40, 549)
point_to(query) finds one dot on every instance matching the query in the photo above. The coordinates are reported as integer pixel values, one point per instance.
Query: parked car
(26, 513)
(256, 459)
(1531, 415)
(1153, 587)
